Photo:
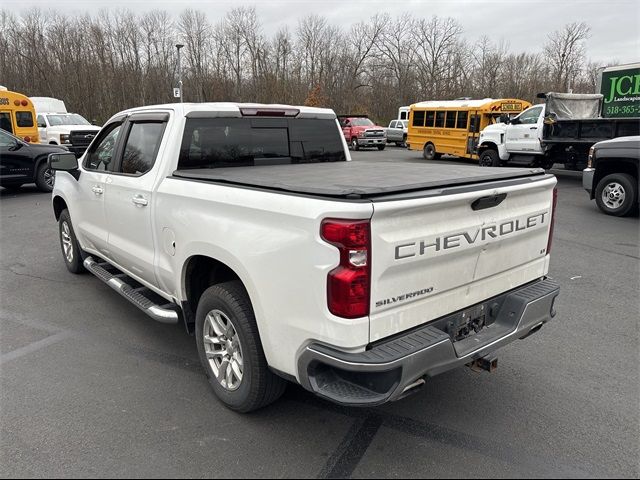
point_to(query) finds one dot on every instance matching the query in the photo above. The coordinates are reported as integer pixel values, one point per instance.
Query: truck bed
(355, 180)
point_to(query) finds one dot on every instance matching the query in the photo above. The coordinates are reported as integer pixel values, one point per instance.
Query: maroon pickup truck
(359, 131)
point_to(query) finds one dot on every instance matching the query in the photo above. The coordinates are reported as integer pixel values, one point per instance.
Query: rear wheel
(617, 194)
(45, 178)
(354, 144)
(429, 152)
(489, 158)
(230, 349)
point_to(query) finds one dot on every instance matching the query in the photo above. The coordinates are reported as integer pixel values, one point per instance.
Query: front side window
(100, 157)
(24, 119)
(41, 122)
(530, 116)
(141, 148)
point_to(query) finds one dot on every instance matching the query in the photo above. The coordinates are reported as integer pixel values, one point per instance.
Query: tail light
(269, 112)
(348, 285)
(24, 103)
(553, 218)
(27, 139)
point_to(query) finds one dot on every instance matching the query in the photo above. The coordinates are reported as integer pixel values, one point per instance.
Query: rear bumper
(587, 180)
(390, 368)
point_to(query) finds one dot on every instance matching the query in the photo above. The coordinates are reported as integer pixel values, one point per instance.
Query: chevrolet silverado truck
(250, 225)
(359, 132)
(612, 175)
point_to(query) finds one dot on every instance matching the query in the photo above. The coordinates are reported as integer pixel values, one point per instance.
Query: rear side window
(24, 119)
(462, 120)
(440, 119)
(431, 115)
(241, 142)
(418, 118)
(451, 120)
(142, 147)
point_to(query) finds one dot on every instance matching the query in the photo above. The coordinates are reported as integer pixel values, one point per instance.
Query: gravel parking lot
(90, 386)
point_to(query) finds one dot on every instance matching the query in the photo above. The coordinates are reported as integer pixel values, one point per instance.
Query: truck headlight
(64, 138)
(590, 158)
(360, 134)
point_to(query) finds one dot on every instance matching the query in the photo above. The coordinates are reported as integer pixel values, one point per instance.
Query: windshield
(67, 119)
(361, 122)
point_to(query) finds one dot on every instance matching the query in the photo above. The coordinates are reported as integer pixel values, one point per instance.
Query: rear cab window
(241, 142)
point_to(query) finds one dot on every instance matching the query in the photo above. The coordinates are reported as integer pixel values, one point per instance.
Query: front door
(42, 129)
(16, 164)
(130, 197)
(523, 133)
(89, 218)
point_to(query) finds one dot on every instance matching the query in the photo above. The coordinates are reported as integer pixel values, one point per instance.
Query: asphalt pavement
(91, 387)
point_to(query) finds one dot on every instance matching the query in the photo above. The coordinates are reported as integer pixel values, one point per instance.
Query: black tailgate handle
(488, 202)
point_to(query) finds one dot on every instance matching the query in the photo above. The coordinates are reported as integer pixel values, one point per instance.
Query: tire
(429, 152)
(220, 306)
(381, 147)
(489, 158)
(354, 144)
(71, 252)
(404, 141)
(45, 178)
(617, 194)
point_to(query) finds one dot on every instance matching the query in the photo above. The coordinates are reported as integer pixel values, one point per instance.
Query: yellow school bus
(453, 126)
(18, 116)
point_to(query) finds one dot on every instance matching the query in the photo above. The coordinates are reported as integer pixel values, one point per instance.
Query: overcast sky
(615, 24)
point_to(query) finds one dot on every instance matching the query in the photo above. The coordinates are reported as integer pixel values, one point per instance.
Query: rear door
(437, 255)
(129, 197)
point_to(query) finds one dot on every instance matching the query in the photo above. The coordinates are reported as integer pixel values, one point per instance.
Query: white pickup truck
(287, 261)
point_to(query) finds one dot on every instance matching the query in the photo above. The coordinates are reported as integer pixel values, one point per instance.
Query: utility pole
(179, 46)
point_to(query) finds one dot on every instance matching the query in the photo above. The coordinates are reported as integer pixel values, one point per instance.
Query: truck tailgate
(439, 254)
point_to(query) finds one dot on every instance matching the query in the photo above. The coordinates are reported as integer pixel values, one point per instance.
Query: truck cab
(55, 128)
(359, 131)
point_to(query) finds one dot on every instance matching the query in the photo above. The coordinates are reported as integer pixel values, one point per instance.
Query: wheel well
(487, 146)
(613, 165)
(52, 142)
(59, 205)
(202, 272)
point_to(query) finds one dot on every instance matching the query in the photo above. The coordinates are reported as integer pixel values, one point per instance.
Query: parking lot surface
(90, 386)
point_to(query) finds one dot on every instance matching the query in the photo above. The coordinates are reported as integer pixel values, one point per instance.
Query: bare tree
(565, 52)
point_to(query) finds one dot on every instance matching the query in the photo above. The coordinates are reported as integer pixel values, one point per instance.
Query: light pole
(179, 46)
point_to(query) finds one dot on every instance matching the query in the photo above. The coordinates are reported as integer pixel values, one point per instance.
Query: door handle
(97, 189)
(140, 201)
(533, 128)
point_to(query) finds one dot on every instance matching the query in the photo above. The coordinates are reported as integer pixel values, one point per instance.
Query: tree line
(101, 64)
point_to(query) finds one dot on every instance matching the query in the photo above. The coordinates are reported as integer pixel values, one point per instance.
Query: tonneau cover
(355, 179)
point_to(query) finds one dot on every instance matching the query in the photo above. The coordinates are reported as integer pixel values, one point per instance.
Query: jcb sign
(621, 90)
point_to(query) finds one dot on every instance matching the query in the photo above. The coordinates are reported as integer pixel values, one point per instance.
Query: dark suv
(22, 162)
(611, 176)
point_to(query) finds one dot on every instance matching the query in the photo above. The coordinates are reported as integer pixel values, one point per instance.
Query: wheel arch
(59, 205)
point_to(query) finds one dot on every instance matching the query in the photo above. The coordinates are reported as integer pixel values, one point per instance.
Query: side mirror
(16, 146)
(94, 122)
(65, 162)
(514, 121)
(504, 118)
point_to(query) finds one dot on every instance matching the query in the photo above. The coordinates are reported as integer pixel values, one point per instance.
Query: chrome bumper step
(165, 313)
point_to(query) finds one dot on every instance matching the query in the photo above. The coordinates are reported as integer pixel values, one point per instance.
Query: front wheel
(230, 349)
(617, 194)
(489, 158)
(354, 144)
(45, 178)
(71, 252)
(381, 147)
